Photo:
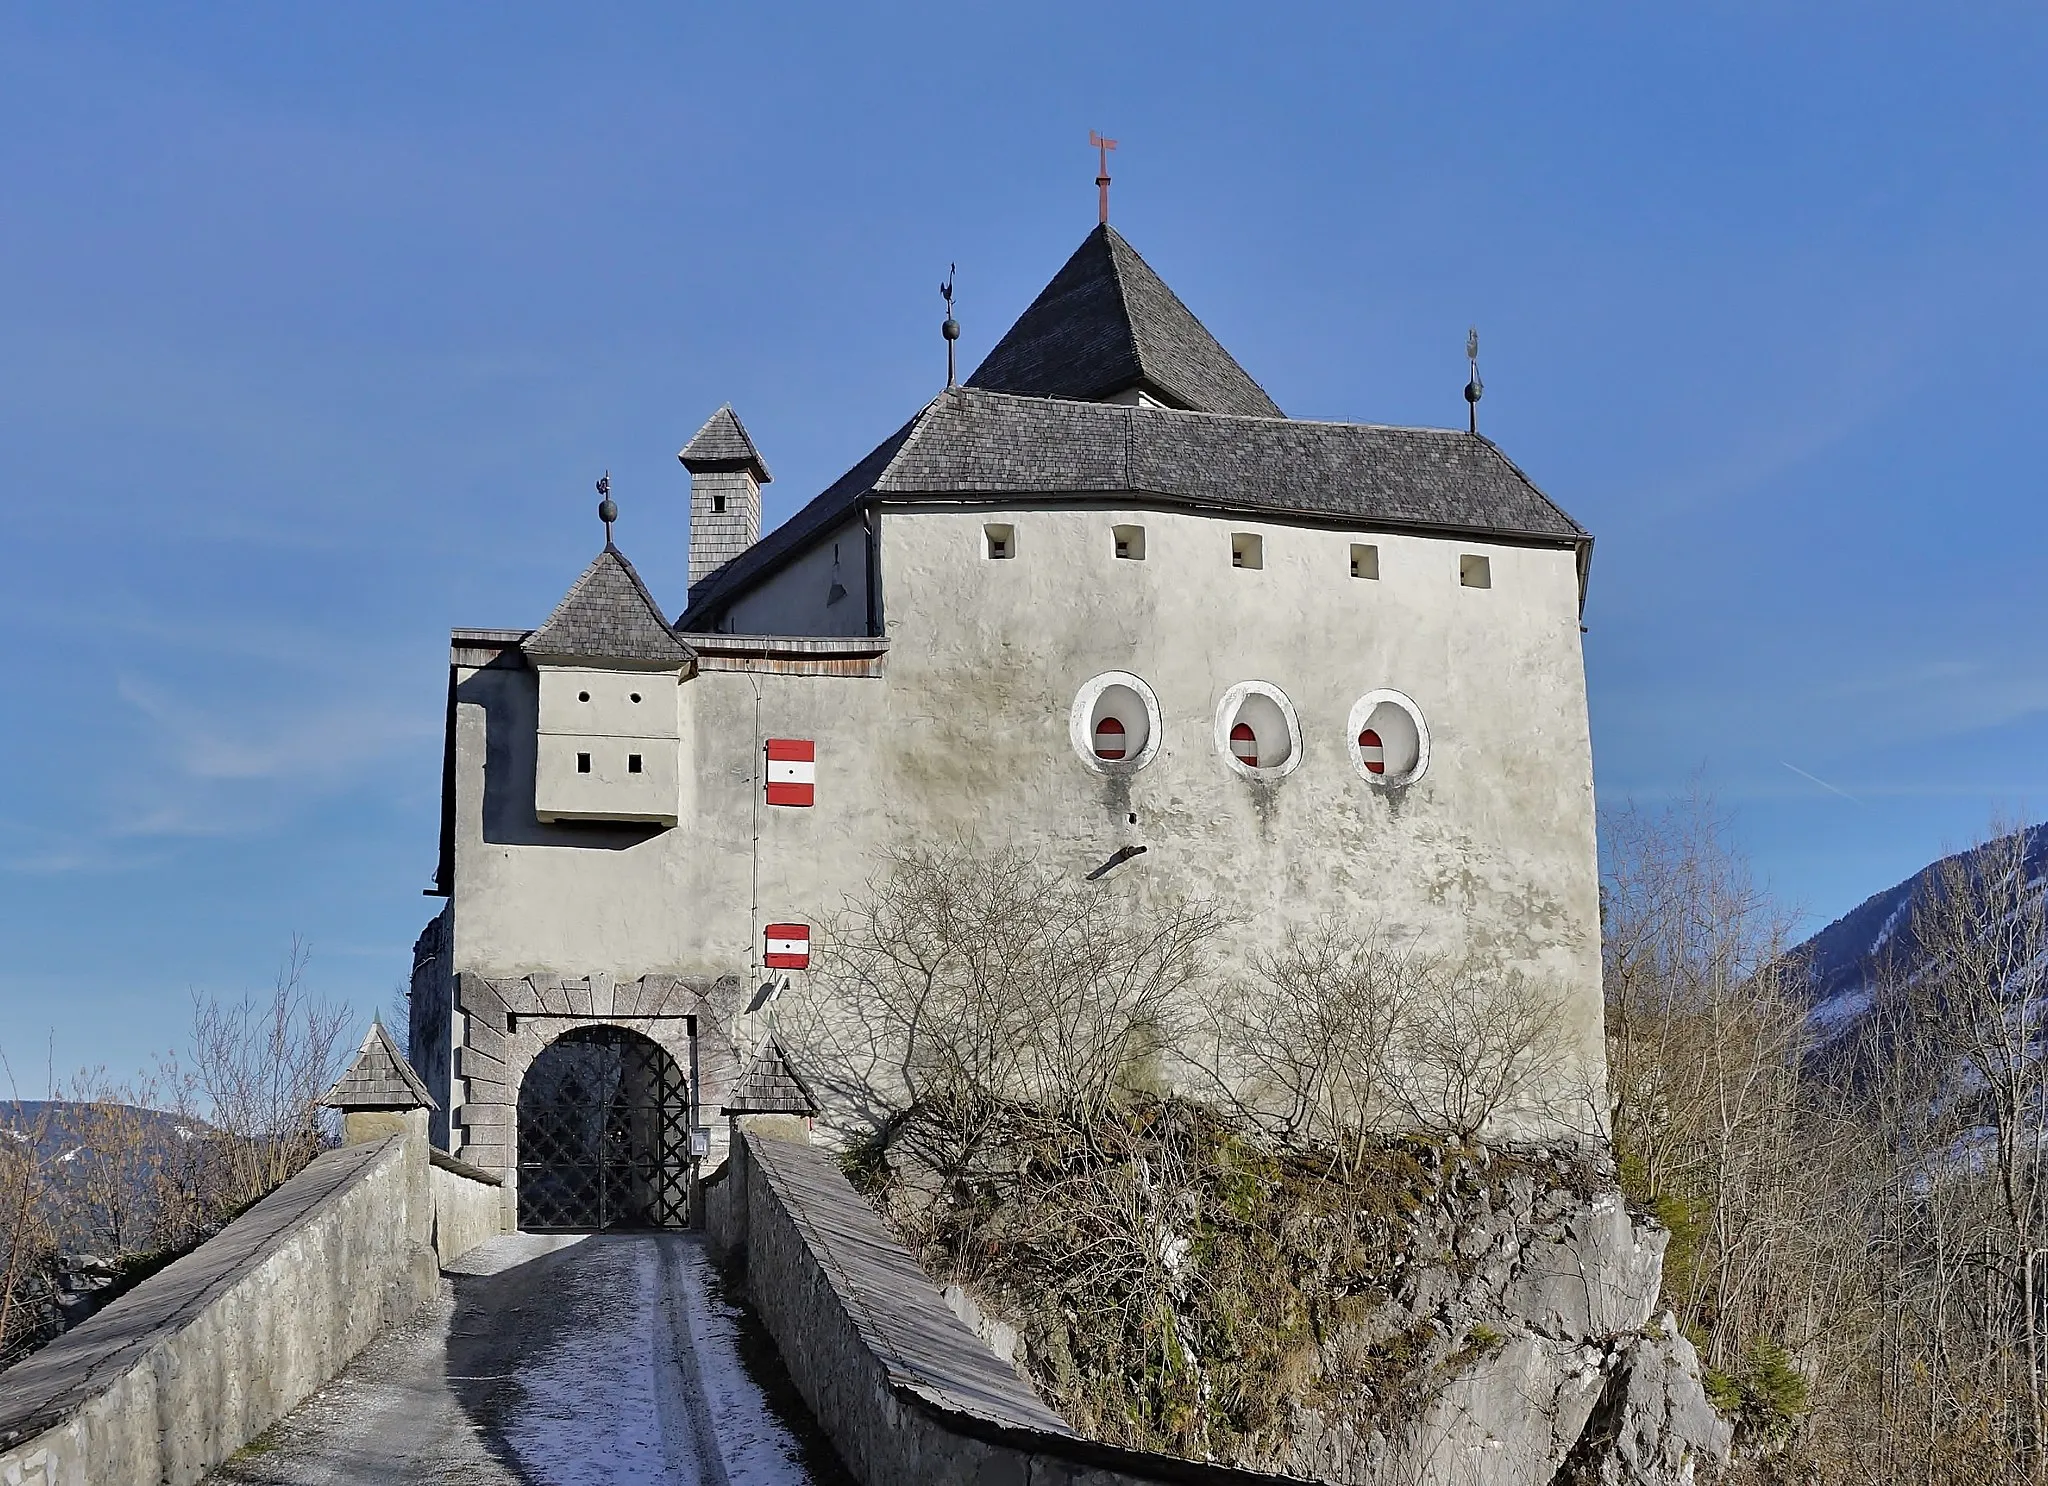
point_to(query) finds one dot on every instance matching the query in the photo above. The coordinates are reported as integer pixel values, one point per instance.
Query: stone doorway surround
(505, 1023)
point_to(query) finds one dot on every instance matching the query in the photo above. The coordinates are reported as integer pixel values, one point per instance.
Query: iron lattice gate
(604, 1135)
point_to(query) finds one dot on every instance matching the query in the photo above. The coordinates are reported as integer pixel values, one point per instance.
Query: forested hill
(1842, 958)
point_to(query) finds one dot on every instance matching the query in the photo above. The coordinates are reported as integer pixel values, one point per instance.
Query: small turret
(726, 476)
(380, 1095)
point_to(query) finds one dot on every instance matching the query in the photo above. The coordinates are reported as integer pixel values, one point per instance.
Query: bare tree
(961, 978)
(25, 1245)
(1472, 1047)
(1301, 1047)
(256, 1071)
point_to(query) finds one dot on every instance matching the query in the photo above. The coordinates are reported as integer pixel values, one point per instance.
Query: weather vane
(607, 508)
(1102, 149)
(951, 329)
(1474, 389)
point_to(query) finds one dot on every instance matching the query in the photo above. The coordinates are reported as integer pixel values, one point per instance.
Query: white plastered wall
(1491, 852)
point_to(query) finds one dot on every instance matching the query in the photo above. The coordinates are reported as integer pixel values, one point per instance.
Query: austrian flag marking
(789, 947)
(792, 771)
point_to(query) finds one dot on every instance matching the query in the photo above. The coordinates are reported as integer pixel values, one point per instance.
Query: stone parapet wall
(470, 1207)
(189, 1366)
(907, 1393)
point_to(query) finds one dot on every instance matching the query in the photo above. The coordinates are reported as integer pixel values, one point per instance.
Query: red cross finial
(1102, 147)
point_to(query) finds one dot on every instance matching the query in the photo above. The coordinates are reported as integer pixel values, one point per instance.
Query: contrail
(1822, 783)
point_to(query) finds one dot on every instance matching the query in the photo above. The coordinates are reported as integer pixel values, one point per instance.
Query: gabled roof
(380, 1078)
(970, 444)
(771, 1085)
(722, 444)
(1108, 324)
(608, 614)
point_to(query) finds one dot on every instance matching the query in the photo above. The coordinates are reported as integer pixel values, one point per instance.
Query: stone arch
(603, 1134)
(506, 1023)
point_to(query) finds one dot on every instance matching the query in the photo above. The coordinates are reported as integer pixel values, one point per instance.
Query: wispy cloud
(314, 745)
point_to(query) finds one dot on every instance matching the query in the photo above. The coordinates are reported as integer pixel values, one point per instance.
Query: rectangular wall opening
(1247, 550)
(632, 763)
(1365, 560)
(582, 763)
(1475, 571)
(999, 542)
(1130, 542)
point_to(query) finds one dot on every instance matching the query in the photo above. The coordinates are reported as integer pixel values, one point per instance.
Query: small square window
(1000, 542)
(718, 504)
(1475, 570)
(1130, 542)
(632, 763)
(1365, 560)
(1247, 550)
(582, 763)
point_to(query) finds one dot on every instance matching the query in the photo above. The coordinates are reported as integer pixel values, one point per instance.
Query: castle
(1104, 596)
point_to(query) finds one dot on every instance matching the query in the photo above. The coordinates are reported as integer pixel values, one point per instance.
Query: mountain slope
(1842, 959)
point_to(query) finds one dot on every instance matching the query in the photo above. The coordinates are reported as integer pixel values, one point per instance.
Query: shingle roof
(771, 1085)
(608, 614)
(380, 1078)
(722, 443)
(969, 443)
(1107, 323)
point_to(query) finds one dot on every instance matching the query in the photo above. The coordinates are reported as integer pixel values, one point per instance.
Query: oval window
(1257, 732)
(1389, 740)
(1114, 725)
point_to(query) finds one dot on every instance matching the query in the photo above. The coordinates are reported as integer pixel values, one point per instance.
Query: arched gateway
(604, 1135)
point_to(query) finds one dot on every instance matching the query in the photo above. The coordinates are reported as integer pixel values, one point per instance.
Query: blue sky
(316, 326)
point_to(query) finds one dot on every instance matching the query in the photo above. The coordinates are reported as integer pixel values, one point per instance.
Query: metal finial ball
(951, 329)
(1473, 392)
(607, 510)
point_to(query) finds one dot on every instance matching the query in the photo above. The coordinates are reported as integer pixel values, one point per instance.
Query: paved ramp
(548, 1361)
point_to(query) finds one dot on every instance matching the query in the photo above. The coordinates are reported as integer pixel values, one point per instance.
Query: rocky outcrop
(1540, 1360)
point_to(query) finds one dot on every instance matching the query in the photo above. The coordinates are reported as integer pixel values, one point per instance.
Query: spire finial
(1102, 149)
(607, 508)
(951, 329)
(1474, 389)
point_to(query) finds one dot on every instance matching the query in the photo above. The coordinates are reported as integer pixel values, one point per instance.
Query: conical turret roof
(723, 443)
(608, 614)
(380, 1078)
(1107, 324)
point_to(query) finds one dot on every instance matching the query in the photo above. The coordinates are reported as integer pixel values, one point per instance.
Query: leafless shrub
(1301, 1046)
(1343, 1033)
(962, 978)
(1471, 1047)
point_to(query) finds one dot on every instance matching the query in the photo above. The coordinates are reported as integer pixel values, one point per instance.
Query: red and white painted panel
(1371, 752)
(789, 947)
(792, 771)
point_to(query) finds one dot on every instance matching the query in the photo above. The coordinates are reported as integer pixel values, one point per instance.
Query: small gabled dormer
(610, 746)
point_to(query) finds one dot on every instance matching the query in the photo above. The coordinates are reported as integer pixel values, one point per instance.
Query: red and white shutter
(792, 771)
(1371, 752)
(789, 947)
(1244, 745)
(1110, 739)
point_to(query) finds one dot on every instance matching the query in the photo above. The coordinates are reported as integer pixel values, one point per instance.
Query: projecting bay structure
(1104, 602)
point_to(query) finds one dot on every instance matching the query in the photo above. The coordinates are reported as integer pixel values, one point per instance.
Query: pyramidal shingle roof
(380, 1078)
(771, 1085)
(971, 444)
(722, 443)
(608, 614)
(1107, 324)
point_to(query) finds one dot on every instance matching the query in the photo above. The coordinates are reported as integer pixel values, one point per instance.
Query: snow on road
(604, 1361)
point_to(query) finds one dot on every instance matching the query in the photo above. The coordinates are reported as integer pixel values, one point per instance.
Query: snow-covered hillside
(1843, 958)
